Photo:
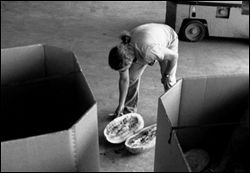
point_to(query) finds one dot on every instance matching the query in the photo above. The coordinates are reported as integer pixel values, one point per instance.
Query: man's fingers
(115, 114)
(120, 114)
(111, 114)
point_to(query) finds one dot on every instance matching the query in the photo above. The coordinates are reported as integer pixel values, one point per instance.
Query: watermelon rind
(141, 148)
(127, 132)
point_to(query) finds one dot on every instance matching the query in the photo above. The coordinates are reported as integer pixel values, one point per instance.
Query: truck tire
(193, 31)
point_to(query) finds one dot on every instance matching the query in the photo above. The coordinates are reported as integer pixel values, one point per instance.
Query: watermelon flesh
(118, 130)
(143, 140)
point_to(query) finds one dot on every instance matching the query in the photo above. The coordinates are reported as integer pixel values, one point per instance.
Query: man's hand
(119, 111)
(168, 66)
(166, 83)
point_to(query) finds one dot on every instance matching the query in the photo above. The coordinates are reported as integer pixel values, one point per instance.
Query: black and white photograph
(125, 86)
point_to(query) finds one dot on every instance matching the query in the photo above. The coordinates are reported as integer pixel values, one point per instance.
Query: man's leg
(135, 73)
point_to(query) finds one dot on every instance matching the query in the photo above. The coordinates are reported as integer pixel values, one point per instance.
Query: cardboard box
(48, 112)
(199, 112)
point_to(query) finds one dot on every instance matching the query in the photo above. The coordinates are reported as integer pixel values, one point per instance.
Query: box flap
(213, 99)
(59, 61)
(86, 141)
(192, 99)
(46, 153)
(84, 95)
(168, 156)
(22, 63)
(209, 101)
(171, 102)
(228, 96)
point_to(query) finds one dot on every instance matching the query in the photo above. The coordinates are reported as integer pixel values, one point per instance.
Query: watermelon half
(118, 130)
(143, 140)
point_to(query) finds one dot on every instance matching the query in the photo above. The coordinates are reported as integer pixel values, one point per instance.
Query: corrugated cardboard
(48, 112)
(204, 112)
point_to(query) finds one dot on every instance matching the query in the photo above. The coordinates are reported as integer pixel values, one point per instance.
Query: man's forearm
(123, 89)
(169, 61)
(170, 65)
(167, 66)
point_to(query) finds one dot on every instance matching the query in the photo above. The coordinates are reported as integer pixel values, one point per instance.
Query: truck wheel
(193, 31)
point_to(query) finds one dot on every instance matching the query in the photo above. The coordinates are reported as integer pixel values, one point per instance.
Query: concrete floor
(90, 29)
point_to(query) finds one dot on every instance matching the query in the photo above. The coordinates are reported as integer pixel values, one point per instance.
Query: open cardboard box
(48, 112)
(201, 112)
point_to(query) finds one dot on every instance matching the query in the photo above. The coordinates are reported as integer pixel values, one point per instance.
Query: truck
(194, 20)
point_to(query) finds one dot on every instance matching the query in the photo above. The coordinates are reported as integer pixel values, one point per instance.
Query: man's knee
(133, 80)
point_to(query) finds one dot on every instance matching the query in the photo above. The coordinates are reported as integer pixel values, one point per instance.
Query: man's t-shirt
(148, 39)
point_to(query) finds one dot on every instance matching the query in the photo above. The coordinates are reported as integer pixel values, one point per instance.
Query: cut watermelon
(118, 130)
(143, 140)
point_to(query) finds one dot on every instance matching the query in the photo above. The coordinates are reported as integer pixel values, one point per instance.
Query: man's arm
(167, 64)
(123, 90)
